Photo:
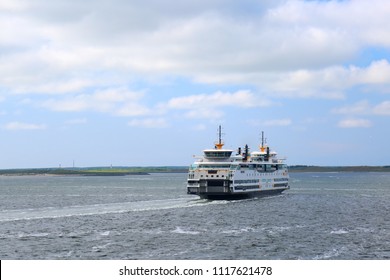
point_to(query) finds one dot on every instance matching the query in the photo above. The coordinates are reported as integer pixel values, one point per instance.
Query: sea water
(322, 216)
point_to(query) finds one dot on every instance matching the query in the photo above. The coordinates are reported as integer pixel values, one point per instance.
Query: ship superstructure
(220, 174)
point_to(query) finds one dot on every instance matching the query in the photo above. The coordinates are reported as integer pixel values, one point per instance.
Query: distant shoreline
(362, 168)
(91, 171)
(125, 171)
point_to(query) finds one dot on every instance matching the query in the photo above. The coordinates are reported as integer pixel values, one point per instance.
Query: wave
(331, 254)
(183, 231)
(339, 231)
(98, 209)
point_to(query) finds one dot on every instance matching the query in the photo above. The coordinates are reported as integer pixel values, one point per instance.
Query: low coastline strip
(124, 171)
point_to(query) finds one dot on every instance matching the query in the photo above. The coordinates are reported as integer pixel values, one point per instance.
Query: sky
(147, 82)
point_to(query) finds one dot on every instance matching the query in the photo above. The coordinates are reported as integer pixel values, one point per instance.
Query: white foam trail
(182, 231)
(339, 231)
(98, 209)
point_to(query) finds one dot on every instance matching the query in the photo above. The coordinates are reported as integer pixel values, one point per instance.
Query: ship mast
(262, 147)
(220, 144)
(262, 139)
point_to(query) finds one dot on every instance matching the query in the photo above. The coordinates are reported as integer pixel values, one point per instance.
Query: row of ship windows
(280, 179)
(214, 166)
(246, 181)
(239, 167)
(218, 154)
(253, 174)
(192, 176)
(252, 181)
(246, 187)
(223, 176)
(258, 181)
(257, 186)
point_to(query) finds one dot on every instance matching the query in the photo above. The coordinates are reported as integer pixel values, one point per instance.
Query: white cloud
(242, 99)
(149, 123)
(354, 123)
(117, 101)
(360, 108)
(122, 102)
(85, 56)
(210, 106)
(131, 109)
(56, 87)
(24, 126)
(382, 108)
(205, 113)
(11, 5)
(359, 20)
(330, 82)
(377, 73)
(74, 104)
(60, 48)
(364, 108)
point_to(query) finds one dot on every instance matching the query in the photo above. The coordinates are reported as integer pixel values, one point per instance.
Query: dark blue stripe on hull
(236, 196)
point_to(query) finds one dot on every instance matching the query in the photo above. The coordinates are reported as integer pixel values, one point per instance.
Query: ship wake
(99, 209)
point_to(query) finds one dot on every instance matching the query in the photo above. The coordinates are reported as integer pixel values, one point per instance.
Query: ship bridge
(216, 154)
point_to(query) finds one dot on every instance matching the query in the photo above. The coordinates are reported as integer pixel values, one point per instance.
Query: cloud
(377, 73)
(130, 109)
(205, 113)
(330, 83)
(126, 103)
(241, 98)
(382, 108)
(71, 85)
(354, 123)
(149, 123)
(359, 108)
(67, 46)
(210, 106)
(340, 17)
(10, 5)
(116, 101)
(364, 107)
(24, 126)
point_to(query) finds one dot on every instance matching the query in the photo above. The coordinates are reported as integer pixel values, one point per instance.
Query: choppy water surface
(322, 216)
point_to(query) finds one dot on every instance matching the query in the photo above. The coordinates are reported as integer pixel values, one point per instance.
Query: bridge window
(218, 154)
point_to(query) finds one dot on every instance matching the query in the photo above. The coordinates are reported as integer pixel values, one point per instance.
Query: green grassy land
(92, 171)
(309, 168)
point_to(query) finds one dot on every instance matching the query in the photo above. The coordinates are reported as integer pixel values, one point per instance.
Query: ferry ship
(220, 174)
